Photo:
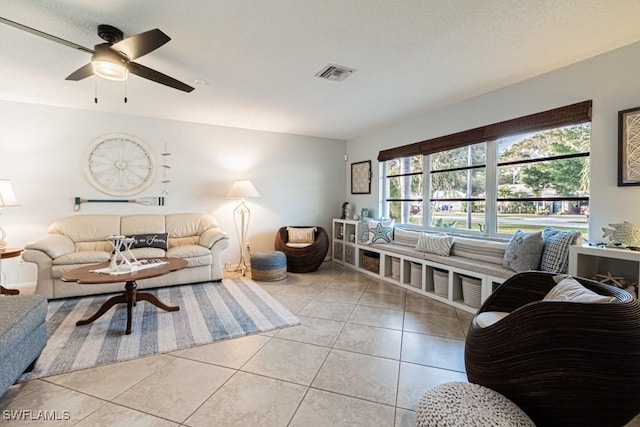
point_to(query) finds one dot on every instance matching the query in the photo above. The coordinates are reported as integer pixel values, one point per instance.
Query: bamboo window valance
(558, 117)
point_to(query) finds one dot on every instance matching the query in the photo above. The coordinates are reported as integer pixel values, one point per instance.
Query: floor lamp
(241, 216)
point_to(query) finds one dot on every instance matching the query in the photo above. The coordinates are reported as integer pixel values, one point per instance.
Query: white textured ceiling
(259, 57)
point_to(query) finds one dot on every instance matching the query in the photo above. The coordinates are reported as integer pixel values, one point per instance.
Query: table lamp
(241, 216)
(7, 198)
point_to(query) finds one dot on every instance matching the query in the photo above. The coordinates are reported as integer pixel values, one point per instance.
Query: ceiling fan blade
(45, 35)
(141, 44)
(81, 73)
(158, 77)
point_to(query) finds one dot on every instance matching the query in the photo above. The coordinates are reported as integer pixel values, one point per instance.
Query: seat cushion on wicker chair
(268, 266)
(488, 318)
(464, 404)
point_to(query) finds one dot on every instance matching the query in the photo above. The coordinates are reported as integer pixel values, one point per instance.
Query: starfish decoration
(614, 280)
(380, 233)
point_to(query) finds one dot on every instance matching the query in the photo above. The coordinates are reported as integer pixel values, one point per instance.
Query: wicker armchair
(303, 260)
(563, 363)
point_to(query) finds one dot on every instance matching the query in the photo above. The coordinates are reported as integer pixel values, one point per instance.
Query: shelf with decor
(598, 263)
(344, 249)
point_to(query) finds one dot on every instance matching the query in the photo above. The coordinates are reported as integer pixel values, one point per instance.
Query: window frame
(491, 200)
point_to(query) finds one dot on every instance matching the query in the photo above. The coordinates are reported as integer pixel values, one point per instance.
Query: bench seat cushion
(478, 266)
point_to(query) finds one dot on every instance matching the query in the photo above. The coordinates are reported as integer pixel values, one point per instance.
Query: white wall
(41, 148)
(610, 80)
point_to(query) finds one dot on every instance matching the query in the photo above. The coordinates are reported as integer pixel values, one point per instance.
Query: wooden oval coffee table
(87, 276)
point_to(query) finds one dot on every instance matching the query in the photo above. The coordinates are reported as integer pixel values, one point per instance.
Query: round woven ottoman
(268, 266)
(469, 405)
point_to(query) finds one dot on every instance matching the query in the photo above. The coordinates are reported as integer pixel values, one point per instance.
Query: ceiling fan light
(110, 71)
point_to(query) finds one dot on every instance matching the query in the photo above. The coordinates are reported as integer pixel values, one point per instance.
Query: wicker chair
(303, 260)
(563, 363)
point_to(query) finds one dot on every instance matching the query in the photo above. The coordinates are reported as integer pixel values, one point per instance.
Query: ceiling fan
(113, 60)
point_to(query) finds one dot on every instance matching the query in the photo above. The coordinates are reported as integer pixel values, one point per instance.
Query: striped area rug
(208, 312)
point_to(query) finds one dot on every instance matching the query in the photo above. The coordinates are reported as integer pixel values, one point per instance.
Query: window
(404, 189)
(457, 191)
(541, 179)
(522, 174)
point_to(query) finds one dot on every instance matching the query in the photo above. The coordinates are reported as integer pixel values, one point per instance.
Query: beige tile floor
(364, 355)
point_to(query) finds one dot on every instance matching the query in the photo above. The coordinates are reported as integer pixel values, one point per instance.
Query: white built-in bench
(471, 262)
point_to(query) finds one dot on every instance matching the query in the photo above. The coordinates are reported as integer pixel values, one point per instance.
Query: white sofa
(80, 240)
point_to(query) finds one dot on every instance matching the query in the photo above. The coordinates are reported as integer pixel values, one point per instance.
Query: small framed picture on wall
(361, 177)
(629, 147)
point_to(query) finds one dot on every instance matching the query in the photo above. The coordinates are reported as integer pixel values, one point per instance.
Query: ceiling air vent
(336, 73)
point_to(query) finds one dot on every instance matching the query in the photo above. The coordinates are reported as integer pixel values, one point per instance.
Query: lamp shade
(242, 189)
(7, 195)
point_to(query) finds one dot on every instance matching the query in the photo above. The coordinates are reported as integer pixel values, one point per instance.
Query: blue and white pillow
(524, 251)
(555, 254)
(380, 231)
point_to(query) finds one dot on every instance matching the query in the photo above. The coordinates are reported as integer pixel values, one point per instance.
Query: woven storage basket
(371, 261)
(395, 268)
(441, 282)
(416, 275)
(471, 290)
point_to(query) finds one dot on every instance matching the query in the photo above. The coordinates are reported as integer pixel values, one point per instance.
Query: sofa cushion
(142, 224)
(149, 240)
(141, 253)
(380, 231)
(95, 246)
(523, 251)
(478, 266)
(84, 257)
(183, 241)
(87, 228)
(481, 250)
(399, 249)
(555, 255)
(406, 237)
(571, 290)
(301, 235)
(438, 244)
(186, 225)
(188, 251)
(53, 245)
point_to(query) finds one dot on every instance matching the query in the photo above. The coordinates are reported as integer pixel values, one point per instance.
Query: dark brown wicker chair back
(303, 260)
(563, 363)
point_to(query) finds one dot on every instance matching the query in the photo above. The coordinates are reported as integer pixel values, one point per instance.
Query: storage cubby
(415, 274)
(370, 261)
(350, 255)
(350, 232)
(456, 289)
(392, 267)
(467, 290)
(440, 282)
(429, 278)
(471, 291)
(344, 241)
(494, 285)
(338, 252)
